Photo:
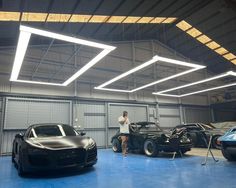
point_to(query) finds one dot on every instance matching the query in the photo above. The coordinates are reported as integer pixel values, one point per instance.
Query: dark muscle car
(51, 147)
(228, 144)
(149, 138)
(199, 131)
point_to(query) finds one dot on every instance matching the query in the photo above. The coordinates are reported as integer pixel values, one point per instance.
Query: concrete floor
(135, 170)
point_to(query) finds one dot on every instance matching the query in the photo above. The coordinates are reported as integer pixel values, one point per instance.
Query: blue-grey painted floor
(139, 171)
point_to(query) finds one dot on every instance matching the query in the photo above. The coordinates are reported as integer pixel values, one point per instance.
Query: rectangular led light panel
(229, 73)
(156, 58)
(23, 41)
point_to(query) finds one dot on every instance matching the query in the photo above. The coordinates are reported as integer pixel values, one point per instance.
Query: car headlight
(91, 143)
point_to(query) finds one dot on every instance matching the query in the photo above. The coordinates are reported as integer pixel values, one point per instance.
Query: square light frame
(23, 41)
(229, 73)
(154, 59)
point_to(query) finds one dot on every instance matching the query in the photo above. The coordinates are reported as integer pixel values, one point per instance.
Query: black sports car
(199, 131)
(51, 147)
(149, 138)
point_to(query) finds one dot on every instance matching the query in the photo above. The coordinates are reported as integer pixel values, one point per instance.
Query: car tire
(227, 155)
(116, 145)
(150, 148)
(214, 142)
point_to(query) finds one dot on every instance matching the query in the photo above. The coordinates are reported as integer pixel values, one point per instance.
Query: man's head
(125, 113)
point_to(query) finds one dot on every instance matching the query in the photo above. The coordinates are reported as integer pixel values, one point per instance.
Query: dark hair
(125, 113)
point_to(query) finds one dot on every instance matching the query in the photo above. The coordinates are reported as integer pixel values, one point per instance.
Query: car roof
(46, 124)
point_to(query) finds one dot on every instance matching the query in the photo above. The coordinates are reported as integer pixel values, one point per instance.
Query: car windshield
(52, 131)
(149, 128)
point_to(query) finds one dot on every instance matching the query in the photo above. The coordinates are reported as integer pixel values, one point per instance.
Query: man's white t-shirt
(124, 128)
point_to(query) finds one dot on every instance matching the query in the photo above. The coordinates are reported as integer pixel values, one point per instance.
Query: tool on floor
(208, 147)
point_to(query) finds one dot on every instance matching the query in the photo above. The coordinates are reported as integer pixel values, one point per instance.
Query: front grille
(39, 160)
(92, 154)
(70, 157)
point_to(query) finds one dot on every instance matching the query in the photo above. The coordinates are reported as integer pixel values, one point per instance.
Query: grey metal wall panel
(22, 112)
(8, 137)
(96, 117)
(152, 114)
(169, 121)
(197, 115)
(169, 116)
(135, 112)
(98, 136)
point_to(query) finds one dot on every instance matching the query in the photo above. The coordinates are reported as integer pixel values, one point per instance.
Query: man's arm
(122, 120)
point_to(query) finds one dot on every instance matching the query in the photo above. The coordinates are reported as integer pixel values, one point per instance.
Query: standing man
(124, 130)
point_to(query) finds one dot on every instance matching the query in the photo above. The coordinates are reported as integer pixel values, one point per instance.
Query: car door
(136, 139)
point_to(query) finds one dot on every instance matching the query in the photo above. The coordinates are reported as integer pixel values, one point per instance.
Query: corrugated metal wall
(21, 112)
(194, 114)
(92, 119)
(169, 116)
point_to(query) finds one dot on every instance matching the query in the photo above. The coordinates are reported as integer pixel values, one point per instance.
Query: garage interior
(192, 81)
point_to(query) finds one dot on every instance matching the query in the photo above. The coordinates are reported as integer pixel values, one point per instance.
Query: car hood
(55, 143)
(229, 136)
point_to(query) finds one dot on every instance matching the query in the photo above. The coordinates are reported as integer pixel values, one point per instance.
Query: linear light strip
(162, 93)
(165, 79)
(24, 37)
(37, 82)
(153, 60)
(87, 66)
(210, 89)
(192, 84)
(115, 90)
(22, 45)
(65, 38)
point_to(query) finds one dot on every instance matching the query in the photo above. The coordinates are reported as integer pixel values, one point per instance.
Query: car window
(69, 131)
(148, 127)
(47, 131)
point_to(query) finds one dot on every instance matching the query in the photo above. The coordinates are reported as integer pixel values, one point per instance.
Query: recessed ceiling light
(229, 56)
(183, 25)
(212, 45)
(156, 58)
(203, 39)
(194, 32)
(24, 37)
(229, 73)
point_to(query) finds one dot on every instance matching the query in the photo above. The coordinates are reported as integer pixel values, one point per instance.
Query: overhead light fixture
(203, 39)
(233, 61)
(156, 58)
(229, 73)
(183, 25)
(229, 56)
(212, 45)
(194, 32)
(24, 37)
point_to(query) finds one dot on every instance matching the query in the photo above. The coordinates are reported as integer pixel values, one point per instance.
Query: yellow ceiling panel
(212, 45)
(221, 51)
(116, 19)
(58, 17)
(194, 32)
(229, 56)
(158, 20)
(34, 17)
(98, 19)
(9, 16)
(203, 39)
(169, 20)
(131, 19)
(145, 19)
(80, 18)
(233, 61)
(183, 25)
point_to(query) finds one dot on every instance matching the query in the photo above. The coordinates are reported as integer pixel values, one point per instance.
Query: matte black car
(199, 131)
(149, 138)
(52, 147)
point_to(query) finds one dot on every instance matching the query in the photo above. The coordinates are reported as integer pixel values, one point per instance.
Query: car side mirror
(19, 135)
(82, 133)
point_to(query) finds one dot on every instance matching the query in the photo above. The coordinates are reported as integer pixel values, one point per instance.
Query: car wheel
(214, 142)
(116, 146)
(150, 148)
(227, 155)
